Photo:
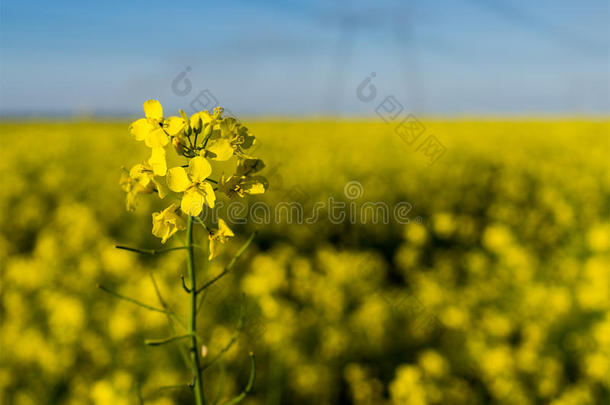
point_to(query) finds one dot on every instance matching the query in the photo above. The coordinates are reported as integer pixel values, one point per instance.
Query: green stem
(198, 386)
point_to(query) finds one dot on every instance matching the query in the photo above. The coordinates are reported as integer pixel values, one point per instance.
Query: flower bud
(197, 125)
(208, 130)
(179, 144)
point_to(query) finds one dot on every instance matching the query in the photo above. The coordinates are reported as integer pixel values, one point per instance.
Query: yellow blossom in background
(497, 293)
(407, 388)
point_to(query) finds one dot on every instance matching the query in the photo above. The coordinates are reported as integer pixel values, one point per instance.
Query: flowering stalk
(202, 138)
(198, 385)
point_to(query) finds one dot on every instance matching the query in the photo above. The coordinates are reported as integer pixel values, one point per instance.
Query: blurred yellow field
(493, 287)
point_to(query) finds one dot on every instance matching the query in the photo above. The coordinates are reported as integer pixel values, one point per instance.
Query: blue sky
(297, 58)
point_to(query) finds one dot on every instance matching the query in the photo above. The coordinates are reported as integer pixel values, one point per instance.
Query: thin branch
(200, 302)
(249, 386)
(151, 252)
(221, 383)
(221, 353)
(157, 290)
(139, 395)
(202, 224)
(212, 281)
(229, 266)
(240, 324)
(188, 290)
(141, 304)
(169, 317)
(138, 303)
(158, 391)
(159, 342)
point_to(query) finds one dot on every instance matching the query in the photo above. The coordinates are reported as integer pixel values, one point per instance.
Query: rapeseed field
(379, 274)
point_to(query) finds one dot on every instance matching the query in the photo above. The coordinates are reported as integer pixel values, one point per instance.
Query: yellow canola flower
(141, 179)
(217, 236)
(204, 119)
(229, 137)
(192, 182)
(242, 183)
(167, 222)
(154, 130)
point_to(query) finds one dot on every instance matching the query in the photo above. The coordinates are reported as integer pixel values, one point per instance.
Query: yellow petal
(160, 228)
(208, 191)
(221, 147)
(161, 188)
(192, 203)
(255, 188)
(224, 229)
(125, 181)
(255, 185)
(174, 125)
(157, 161)
(213, 249)
(140, 173)
(195, 122)
(153, 110)
(177, 180)
(130, 201)
(167, 223)
(156, 138)
(187, 127)
(199, 169)
(204, 116)
(140, 129)
(180, 222)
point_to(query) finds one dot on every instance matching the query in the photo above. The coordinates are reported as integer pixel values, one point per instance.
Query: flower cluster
(202, 139)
